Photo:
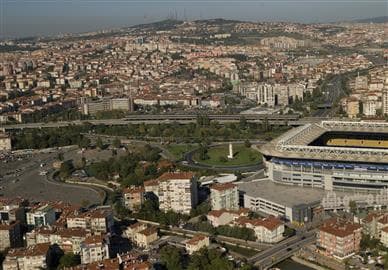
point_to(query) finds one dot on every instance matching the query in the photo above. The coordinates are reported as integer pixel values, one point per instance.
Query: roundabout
(220, 158)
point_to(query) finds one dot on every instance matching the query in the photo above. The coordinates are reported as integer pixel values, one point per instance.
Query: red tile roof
(222, 187)
(195, 239)
(35, 250)
(339, 227)
(176, 175)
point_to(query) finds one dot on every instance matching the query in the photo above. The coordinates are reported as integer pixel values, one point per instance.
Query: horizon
(36, 18)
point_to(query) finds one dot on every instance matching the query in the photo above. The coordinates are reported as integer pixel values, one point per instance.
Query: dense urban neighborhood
(205, 144)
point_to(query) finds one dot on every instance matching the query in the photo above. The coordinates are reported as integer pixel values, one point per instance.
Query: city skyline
(47, 18)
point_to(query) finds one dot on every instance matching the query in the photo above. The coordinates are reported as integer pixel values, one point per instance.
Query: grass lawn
(242, 156)
(177, 150)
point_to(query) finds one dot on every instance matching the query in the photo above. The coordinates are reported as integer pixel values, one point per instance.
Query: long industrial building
(331, 155)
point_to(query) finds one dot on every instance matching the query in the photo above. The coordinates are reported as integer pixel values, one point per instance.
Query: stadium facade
(331, 155)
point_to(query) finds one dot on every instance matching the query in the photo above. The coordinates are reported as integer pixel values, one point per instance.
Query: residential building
(95, 220)
(339, 238)
(5, 142)
(94, 248)
(68, 239)
(151, 187)
(267, 230)
(177, 192)
(133, 198)
(10, 235)
(145, 237)
(29, 258)
(352, 107)
(374, 222)
(131, 231)
(196, 243)
(41, 215)
(12, 210)
(127, 261)
(224, 217)
(384, 236)
(224, 196)
(385, 97)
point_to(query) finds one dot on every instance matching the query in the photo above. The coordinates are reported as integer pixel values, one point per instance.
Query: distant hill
(382, 19)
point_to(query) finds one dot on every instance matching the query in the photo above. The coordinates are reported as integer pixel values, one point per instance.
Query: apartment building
(224, 196)
(41, 215)
(145, 237)
(384, 236)
(133, 229)
(29, 258)
(5, 142)
(99, 220)
(374, 222)
(272, 94)
(68, 239)
(107, 104)
(94, 248)
(151, 187)
(127, 261)
(224, 217)
(267, 230)
(177, 192)
(133, 198)
(339, 238)
(10, 235)
(196, 243)
(12, 210)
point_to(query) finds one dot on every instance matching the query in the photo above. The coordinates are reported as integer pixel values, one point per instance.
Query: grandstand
(335, 155)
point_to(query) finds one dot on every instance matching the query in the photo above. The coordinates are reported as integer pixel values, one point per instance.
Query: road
(282, 250)
(333, 92)
(157, 119)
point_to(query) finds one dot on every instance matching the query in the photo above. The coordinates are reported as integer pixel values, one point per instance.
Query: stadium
(332, 155)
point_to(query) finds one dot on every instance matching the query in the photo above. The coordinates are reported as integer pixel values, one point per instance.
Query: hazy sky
(20, 18)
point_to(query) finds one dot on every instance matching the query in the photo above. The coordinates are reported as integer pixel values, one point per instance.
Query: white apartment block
(224, 196)
(69, 239)
(5, 142)
(41, 216)
(94, 248)
(177, 192)
(96, 220)
(30, 258)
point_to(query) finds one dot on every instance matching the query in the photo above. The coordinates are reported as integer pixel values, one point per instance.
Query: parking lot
(22, 176)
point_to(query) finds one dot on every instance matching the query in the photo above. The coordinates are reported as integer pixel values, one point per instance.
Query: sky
(21, 18)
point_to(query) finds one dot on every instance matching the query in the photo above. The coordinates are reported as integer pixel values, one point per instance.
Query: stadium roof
(295, 143)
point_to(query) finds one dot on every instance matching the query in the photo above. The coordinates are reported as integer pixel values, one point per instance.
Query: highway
(157, 119)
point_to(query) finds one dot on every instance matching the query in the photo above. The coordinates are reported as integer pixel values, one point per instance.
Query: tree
(66, 169)
(99, 143)
(69, 260)
(247, 144)
(243, 122)
(171, 258)
(60, 156)
(116, 143)
(386, 261)
(353, 207)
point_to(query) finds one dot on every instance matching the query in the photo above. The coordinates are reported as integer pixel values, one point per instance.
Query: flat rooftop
(282, 194)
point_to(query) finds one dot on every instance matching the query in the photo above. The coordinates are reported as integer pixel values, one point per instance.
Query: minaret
(230, 156)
